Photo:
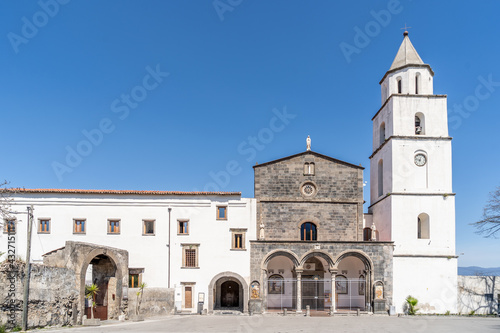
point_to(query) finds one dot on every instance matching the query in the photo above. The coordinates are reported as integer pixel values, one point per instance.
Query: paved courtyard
(260, 324)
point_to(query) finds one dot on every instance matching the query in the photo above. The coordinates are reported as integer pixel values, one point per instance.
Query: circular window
(308, 189)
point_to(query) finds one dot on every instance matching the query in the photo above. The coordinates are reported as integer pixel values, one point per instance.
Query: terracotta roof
(76, 191)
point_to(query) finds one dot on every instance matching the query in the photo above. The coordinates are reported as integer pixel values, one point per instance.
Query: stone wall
(52, 295)
(335, 206)
(480, 294)
(155, 301)
(334, 222)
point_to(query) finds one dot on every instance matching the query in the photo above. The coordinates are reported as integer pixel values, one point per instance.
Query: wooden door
(188, 297)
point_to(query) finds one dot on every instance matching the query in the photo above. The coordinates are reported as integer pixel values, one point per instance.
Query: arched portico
(228, 290)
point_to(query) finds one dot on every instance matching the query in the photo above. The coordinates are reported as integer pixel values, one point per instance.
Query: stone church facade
(310, 249)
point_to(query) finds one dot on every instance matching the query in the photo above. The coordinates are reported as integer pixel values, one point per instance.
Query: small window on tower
(417, 80)
(419, 124)
(382, 133)
(399, 86)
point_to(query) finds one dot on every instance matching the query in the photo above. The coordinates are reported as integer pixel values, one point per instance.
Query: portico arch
(281, 252)
(317, 253)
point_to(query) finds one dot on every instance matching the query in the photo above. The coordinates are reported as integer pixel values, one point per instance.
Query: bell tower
(411, 197)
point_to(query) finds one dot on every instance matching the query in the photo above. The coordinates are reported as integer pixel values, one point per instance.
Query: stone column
(334, 305)
(299, 290)
(263, 291)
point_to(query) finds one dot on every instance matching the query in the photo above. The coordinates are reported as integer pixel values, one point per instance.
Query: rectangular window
(135, 277)
(238, 239)
(44, 226)
(488, 297)
(113, 226)
(148, 227)
(79, 226)
(133, 281)
(221, 212)
(183, 227)
(190, 255)
(9, 227)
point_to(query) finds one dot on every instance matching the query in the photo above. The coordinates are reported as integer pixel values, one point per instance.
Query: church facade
(303, 241)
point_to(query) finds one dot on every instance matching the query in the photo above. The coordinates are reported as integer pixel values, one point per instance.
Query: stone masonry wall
(52, 295)
(335, 222)
(336, 207)
(155, 301)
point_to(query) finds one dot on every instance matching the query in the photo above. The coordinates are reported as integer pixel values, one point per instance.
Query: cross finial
(406, 30)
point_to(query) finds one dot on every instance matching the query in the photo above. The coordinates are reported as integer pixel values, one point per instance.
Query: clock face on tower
(420, 159)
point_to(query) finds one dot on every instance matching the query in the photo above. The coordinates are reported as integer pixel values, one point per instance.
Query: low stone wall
(52, 295)
(478, 294)
(155, 301)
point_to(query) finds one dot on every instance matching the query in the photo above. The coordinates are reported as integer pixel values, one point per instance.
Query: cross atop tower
(406, 30)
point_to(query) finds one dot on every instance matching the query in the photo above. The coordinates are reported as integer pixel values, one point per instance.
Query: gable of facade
(310, 188)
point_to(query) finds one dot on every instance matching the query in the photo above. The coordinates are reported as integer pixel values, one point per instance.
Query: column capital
(299, 270)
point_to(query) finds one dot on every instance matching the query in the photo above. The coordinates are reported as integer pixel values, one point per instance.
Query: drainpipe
(169, 213)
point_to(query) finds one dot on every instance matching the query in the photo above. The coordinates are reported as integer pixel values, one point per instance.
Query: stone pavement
(263, 324)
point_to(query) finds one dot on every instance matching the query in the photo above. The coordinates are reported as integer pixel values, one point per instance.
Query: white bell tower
(412, 201)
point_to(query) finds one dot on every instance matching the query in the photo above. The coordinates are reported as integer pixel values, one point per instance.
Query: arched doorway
(101, 271)
(230, 294)
(228, 291)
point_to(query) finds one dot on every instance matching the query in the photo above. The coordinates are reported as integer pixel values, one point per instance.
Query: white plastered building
(190, 241)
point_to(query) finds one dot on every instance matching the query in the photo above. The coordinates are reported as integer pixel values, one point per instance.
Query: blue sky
(171, 95)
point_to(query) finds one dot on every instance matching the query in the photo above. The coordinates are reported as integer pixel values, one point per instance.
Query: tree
(91, 293)
(139, 297)
(490, 224)
(5, 200)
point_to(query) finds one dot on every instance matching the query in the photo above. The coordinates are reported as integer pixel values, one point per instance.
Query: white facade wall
(145, 251)
(433, 282)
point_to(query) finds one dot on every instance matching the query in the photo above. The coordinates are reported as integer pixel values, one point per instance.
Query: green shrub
(412, 305)
(447, 313)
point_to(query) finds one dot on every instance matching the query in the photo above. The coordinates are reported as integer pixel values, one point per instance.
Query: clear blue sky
(228, 68)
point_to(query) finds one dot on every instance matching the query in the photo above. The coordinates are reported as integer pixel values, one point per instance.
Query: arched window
(308, 232)
(423, 226)
(417, 82)
(400, 88)
(419, 123)
(380, 177)
(309, 168)
(367, 234)
(382, 133)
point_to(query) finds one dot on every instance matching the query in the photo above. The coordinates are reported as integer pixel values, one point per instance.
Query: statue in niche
(261, 232)
(308, 141)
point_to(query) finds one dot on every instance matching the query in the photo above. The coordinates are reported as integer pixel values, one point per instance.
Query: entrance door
(188, 297)
(312, 293)
(230, 294)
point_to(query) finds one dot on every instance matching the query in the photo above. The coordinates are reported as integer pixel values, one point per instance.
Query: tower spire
(407, 55)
